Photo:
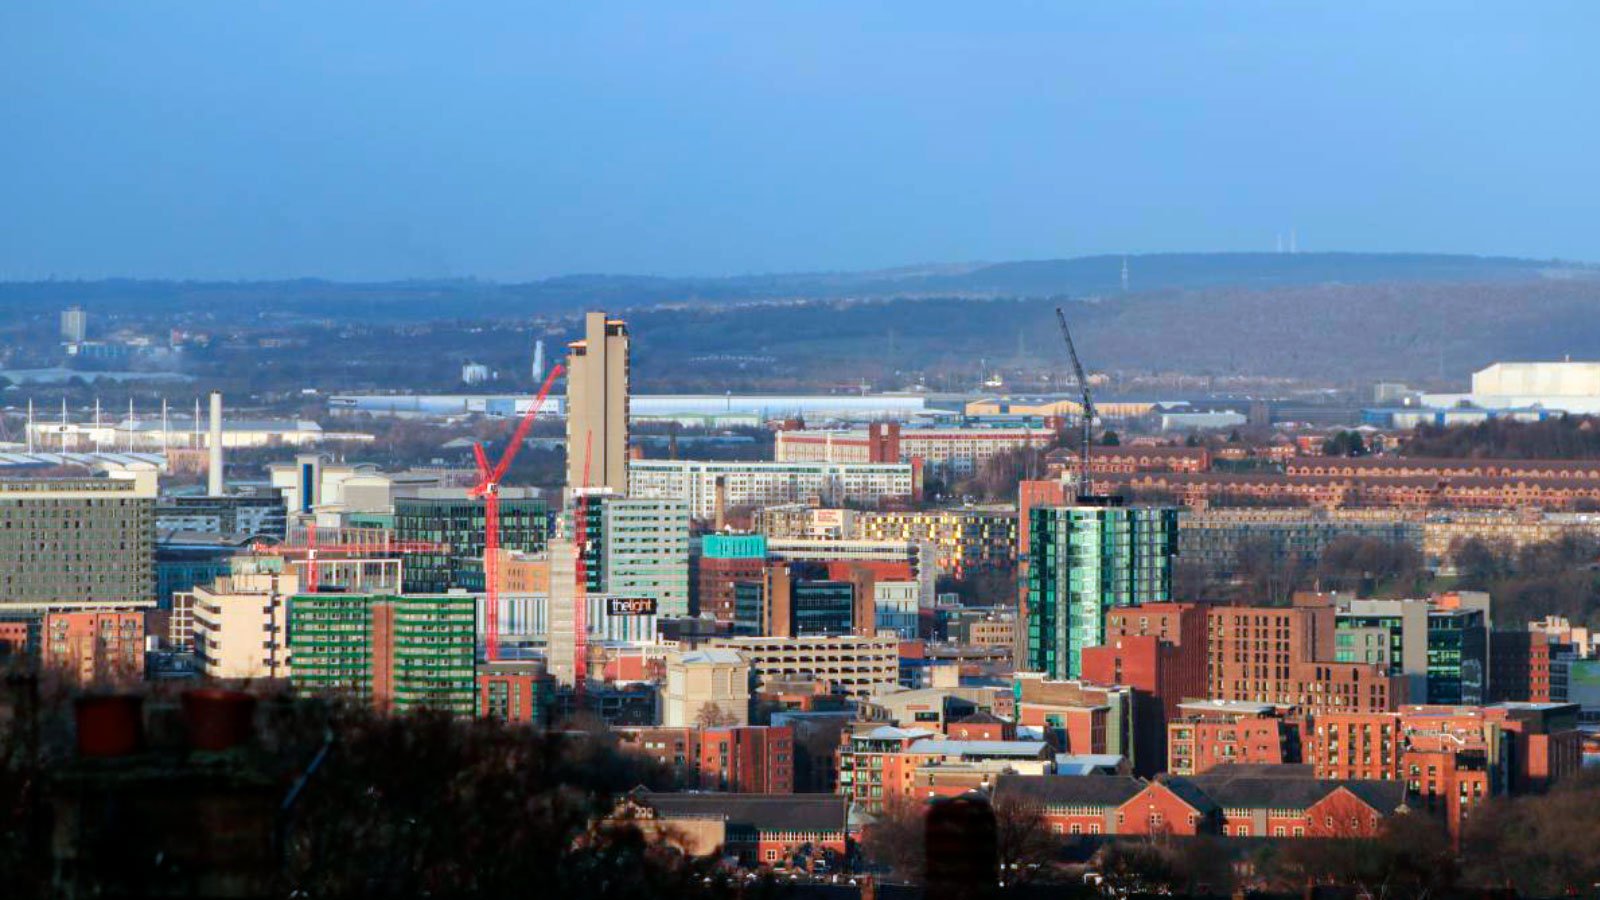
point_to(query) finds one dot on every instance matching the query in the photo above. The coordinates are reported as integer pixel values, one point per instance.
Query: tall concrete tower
(597, 405)
(538, 361)
(215, 486)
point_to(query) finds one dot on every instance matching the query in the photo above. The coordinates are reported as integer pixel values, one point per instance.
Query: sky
(518, 140)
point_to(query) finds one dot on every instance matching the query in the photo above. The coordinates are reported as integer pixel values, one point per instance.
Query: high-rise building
(397, 652)
(74, 325)
(67, 541)
(1087, 559)
(597, 406)
(456, 524)
(639, 548)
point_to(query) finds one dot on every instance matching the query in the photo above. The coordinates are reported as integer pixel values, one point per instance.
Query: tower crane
(488, 487)
(1087, 416)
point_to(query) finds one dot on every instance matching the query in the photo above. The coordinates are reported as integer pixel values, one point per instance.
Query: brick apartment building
(1285, 656)
(744, 759)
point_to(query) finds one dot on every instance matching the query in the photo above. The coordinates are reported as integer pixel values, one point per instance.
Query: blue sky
(514, 140)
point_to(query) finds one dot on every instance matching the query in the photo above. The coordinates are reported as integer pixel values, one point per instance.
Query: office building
(887, 560)
(1442, 653)
(895, 611)
(1084, 560)
(720, 562)
(255, 514)
(759, 484)
(639, 547)
(185, 560)
(396, 652)
(456, 526)
(794, 600)
(1523, 666)
(706, 687)
(949, 451)
(1078, 717)
(597, 406)
(78, 540)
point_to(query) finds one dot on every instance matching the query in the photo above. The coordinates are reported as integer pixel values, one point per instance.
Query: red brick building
(1079, 717)
(713, 579)
(94, 646)
(1336, 482)
(792, 830)
(1210, 733)
(742, 759)
(1131, 458)
(1159, 650)
(1452, 758)
(1519, 666)
(1284, 656)
(515, 691)
(1243, 804)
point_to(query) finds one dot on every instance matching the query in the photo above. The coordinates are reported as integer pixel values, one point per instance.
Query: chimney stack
(214, 468)
(720, 509)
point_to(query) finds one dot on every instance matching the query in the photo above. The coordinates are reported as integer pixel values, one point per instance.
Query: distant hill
(1330, 317)
(557, 296)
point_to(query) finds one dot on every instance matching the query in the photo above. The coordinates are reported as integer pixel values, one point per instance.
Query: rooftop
(762, 812)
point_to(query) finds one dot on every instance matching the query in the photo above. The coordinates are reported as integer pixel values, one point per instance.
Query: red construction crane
(488, 487)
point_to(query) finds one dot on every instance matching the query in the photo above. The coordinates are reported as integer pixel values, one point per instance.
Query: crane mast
(1088, 406)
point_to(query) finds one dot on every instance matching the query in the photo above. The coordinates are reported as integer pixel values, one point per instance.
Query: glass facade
(458, 524)
(1084, 561)
(1457, 656)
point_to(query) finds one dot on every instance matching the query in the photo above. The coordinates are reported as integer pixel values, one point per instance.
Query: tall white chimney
(214, 469)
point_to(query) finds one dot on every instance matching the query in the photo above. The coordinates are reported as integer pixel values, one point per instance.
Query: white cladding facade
(757, 484)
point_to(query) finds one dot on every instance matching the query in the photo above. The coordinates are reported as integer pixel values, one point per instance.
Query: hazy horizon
(368, 142)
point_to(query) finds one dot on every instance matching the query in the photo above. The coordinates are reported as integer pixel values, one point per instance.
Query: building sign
(631, 606)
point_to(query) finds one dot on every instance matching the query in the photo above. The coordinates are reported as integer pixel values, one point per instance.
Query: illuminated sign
(631, 606)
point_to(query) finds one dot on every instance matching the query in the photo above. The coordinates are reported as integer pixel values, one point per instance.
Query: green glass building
(395, 652)
(458, 523)
(1442, 653)
(1084, 560)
